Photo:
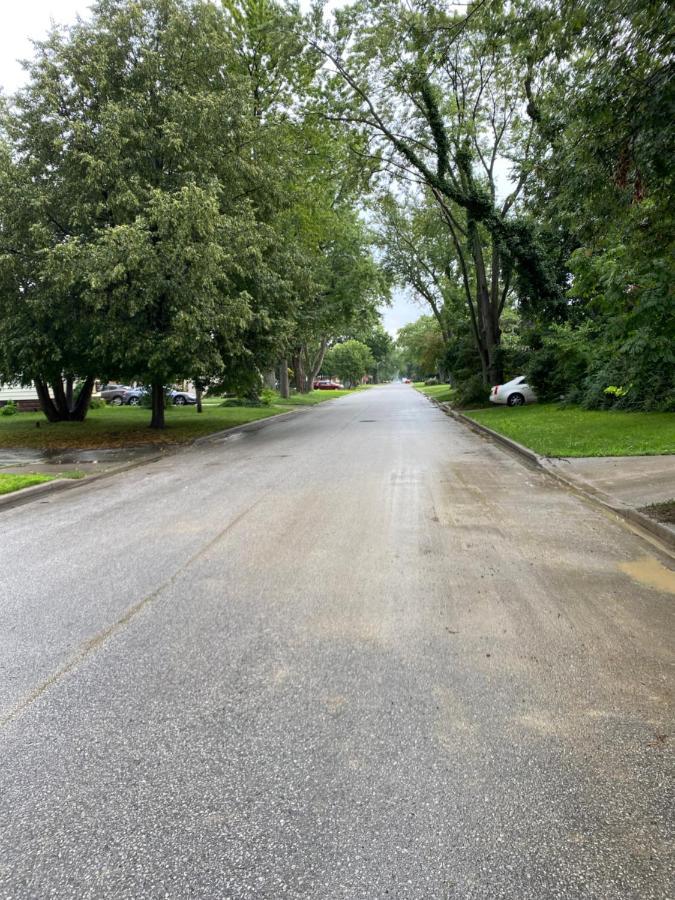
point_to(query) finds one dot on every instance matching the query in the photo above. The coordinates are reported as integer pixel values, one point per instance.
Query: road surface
(360, 653)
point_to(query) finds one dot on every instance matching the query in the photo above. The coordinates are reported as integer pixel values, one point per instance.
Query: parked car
(114, 393)
(514, 393)
(326, 385)
(134, 397)
(407, 381)
(182, 398)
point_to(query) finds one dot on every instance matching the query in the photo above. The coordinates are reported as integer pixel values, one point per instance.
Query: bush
(431, 381)
(268, 396)
(609, 386)
(243, 401)
(97, 403)
(9, 409)
(471, 391)
(561, 364)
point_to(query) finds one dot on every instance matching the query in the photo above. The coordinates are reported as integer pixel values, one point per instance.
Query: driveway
(360, 653)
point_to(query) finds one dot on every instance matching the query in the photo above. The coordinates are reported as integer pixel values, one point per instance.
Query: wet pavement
(361, 654)
(90, 462)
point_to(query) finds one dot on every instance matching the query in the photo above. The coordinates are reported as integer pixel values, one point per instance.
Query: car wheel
(179, 401)
(116, 401)
(134, 401)
(515, 400)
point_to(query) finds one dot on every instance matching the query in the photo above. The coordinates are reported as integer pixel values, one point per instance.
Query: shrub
(268, 396)
(431, 381)
(561, 364)
(9, 409)
(470, 391)
(97, 403)
(243, 401)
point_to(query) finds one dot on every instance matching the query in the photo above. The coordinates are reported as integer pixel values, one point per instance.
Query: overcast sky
(26, 20)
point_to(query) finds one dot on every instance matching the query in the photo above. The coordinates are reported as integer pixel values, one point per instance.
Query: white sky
(23, 20)
(26, 20)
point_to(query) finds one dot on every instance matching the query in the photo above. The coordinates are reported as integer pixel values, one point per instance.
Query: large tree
(134, 133)
(443, 102)
(602, 95)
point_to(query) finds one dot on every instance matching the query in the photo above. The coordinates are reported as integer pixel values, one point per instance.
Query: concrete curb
(27, 494)
(578, 485)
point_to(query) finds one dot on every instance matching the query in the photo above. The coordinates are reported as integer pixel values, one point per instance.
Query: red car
(326, 385)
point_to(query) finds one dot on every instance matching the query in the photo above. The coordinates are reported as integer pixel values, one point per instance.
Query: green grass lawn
(127, 426)
(122, 426)
(554, 431)
(314, 397)
(10, 483)
(441, 392)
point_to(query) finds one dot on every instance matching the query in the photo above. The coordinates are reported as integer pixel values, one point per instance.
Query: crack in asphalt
(94, 643)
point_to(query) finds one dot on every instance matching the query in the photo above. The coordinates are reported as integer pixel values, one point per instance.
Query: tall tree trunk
(299, 373)
(157, 420)
(46, 402)
(488, 321)
(270, 379)
(283, 379)
(80, 409)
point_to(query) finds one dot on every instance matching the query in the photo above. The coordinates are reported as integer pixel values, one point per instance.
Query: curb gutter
(248, 426)
(579, 485)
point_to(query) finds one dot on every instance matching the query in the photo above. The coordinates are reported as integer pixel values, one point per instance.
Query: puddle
(73, 457)
(651, 572)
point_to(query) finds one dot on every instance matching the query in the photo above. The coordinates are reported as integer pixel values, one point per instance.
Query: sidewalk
(636, 481)
(631, 486)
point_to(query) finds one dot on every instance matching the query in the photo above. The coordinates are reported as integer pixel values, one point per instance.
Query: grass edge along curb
(34, 491)
(665, 535)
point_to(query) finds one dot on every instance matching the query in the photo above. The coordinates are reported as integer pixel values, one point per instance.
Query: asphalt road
(360, 653)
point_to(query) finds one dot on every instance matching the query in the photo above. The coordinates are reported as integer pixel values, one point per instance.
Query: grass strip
(551, 430)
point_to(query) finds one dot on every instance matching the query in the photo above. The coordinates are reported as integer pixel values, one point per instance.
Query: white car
(513, 393)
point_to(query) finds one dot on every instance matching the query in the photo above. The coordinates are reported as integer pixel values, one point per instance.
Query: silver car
(114, 393)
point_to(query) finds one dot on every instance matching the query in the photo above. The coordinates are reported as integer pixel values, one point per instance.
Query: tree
(47, 329)
(601, 94)
(350, 361)
(421, 347)
(442, 100)
(132, 134)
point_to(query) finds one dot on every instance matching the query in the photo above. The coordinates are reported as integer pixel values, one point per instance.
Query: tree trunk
(299, 373)
(60, 401)
(487, 316)
(80, 409)
(198, 394)
(283, 379)
(46, 402)
(69, 392)
(270, 379)
(316, 364)
(157, 420)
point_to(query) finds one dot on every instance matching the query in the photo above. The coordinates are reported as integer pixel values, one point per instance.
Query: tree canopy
(192, 190)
